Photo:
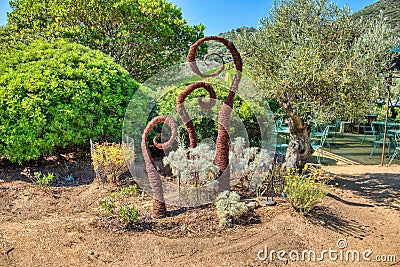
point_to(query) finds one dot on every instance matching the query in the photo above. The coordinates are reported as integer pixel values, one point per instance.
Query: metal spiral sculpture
(180, 107)
(222, 143)
(224, 116)
(159, 208)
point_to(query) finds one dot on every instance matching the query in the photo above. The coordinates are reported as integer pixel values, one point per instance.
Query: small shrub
(109, 161)
(129, 191)
(244, 161)
(107, 205)
(43, 179)
(304, 191)
(194, 166)
(118, 204)
(129, 215)
(229, 208)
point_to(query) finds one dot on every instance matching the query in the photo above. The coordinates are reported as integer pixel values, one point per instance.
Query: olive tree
(141, 35)
(318, 63)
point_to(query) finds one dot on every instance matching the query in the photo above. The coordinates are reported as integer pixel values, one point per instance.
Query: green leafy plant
(58, 95)
(107, 205)
(43, 179)
(129, 215)
(229, 208)
(118, 204)
(304, 191)
(130, 26)
(109, 160)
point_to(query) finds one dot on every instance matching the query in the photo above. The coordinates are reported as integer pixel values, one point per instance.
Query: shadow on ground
(67, 172)
(381, 188)
(336, 222)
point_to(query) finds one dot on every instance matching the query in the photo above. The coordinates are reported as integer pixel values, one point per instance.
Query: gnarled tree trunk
(300, 148)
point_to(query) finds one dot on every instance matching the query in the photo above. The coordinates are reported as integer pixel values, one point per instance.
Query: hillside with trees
(390, 9)
(215, 47)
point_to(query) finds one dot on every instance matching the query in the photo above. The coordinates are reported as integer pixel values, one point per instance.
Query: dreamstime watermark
(338, 253)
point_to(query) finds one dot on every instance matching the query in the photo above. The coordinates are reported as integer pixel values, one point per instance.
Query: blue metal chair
(317, 143)
(397, 147)
(378, 143)
(368, 131)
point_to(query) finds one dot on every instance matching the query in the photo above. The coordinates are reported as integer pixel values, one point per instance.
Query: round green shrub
(55, 94)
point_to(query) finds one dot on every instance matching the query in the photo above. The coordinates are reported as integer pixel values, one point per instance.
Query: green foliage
(316, 60)
(129, 215)
(58, 95)
(304, 191)
(109, 160)
(119, 204)
(43, 179)
(128, 191)
(107, 205)
(141, 35)
(229, 208)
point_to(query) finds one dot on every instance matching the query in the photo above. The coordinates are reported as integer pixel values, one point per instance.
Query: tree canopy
(318, 62)
(311, 56)
(143, 36)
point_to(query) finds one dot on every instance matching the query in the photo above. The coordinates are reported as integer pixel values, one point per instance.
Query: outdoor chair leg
(393, 157)
(363, 139)
(334, 140)
(319, 155)
(373, 151)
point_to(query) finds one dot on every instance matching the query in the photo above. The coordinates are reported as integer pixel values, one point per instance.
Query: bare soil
(63, 226)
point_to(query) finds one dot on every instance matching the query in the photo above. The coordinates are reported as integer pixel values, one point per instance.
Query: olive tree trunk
(300, 148)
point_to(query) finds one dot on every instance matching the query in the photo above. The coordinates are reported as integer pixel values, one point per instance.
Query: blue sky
(4, 8)
(222, 15)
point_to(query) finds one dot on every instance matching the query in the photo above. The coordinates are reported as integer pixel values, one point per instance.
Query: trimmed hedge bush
(55, 94)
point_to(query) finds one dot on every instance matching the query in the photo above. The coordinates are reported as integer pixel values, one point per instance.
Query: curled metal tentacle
(237, 60)
(180, 107)
(154, 178)
(220, 57)
(222, 142)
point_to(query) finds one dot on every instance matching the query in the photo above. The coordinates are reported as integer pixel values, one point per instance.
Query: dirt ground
(62, 226)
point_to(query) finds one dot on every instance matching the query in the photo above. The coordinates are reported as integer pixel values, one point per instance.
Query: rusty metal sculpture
(159, 208)
(222, 143)
(180, 107)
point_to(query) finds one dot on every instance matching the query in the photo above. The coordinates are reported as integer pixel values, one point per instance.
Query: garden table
(371, 117)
